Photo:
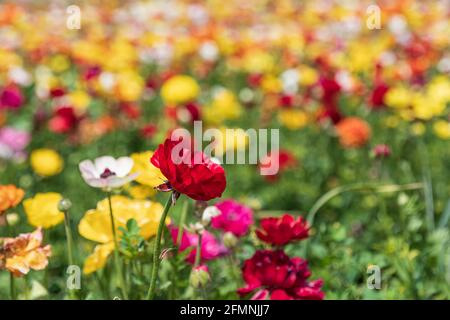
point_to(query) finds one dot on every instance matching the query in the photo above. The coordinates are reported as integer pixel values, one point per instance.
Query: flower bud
(381, 151)
(209, 213)
(64, 205)
(199, 276)
(196, 228)
(12, 218)
(230, 240)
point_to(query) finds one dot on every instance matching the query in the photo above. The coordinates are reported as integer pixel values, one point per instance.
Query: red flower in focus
(11, 97)
(64, 120)
(281, 231)
(189, 172)
(279, 277)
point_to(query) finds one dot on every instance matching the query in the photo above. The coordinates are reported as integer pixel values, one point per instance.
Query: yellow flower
(46, 162)
(230, 140)
(271, 84)
(80, 100)
(442, 129)
(96, 225)
(141, 192)
(398, 97)
(258, 61)
(129, 86)
(59, 63)
(308, 76)
(42, 210)
(225, 106)
(418, 128)
(179, 89)
(149, 175)
(293, 119)
(97, 259)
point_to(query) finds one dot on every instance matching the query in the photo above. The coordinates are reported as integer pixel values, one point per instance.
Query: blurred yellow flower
(79, 100)
(293, 119)
(442, 129)
(418, 128)
(42, 210)
(46, 162)
(179, 89)
(59, 63)
(129, 86)
(149, 175)
(271, 84)
(225, 106)
(258, 61)
(96, 225)
(398, 97)
(141, 192)
(230, 140)
(308, 76)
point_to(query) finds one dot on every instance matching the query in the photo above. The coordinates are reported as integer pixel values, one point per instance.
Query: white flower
(107, 172)
(209, 213)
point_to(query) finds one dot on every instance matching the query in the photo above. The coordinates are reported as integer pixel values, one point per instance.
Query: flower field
(283, 150)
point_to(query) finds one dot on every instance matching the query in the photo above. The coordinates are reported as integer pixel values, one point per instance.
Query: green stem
(198, 251)
(12, 286)
(181, 223)
(157, 250)
(69, 238)
(117, 264)
(362, 186)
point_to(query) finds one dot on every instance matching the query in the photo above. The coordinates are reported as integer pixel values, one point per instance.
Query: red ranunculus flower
(273, 274)
(280, 231)
(64, 120)
(189, 172)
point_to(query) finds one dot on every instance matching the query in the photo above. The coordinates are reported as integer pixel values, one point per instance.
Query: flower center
(107, 173)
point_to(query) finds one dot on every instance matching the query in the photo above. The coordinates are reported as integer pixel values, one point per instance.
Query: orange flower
(10, 196)
(353, 132)
(19, 255)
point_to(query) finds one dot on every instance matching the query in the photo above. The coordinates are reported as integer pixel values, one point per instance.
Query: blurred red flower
(189, 172)
(64, 120)
(281, 231)
(279, 277)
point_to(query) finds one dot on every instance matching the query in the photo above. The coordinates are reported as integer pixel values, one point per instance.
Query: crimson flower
(189, 172)
(64, 120)
(281, 231)
(275, 275)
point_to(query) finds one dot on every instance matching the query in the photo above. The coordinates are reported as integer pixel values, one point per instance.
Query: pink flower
(235, 217)
(211, 248)
(13, 142)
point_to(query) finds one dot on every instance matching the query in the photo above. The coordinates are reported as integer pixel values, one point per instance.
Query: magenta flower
(11, 97)
(211, 248)
(235, 217)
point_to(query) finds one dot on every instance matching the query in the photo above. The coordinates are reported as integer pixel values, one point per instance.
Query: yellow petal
(42, 210)
(98, 258)
(149, 175)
